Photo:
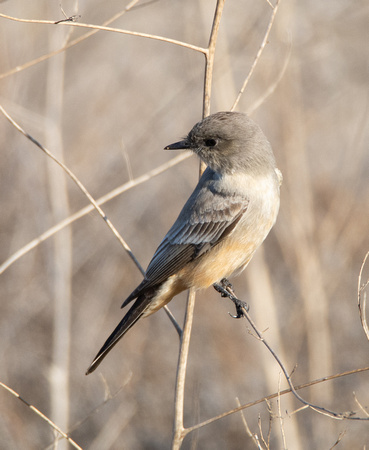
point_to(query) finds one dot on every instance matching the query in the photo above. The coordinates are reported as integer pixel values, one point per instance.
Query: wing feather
(208, 216)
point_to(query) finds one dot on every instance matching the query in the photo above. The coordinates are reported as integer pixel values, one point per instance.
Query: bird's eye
(210, 142)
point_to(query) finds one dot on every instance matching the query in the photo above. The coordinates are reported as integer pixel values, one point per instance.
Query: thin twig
(93, 203)
(361, 298)
(87, 209)
(259, 101)
(257, 57)
(79, 184)
(275, 395)
(39, 413)
(112, 30)
(317, 408)
(76, 41)
(339, 439)
(246, 425)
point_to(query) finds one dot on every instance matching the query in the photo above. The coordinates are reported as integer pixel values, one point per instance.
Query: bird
(227, 217)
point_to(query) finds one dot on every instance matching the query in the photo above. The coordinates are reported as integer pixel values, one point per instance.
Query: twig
(39, 413)
(361, 298)
(76, 41)
(319, 409)
(110, 29)
(246, 425)
(280, 414)
(93, 203)
(275, 395)
(360, 405)
(79, 184)
(87, 209)
(257, 57)
(339, 439)
(271, 87)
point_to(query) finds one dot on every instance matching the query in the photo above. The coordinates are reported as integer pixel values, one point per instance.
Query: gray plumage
(231, 210)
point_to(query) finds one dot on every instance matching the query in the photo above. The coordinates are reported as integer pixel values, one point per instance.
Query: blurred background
(107, 106)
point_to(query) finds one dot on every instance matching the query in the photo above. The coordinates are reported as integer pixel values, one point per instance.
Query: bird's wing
(207, 217)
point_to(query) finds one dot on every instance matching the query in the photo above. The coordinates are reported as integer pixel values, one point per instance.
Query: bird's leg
(225, 289)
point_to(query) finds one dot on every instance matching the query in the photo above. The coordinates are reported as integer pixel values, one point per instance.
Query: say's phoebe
(227, 217)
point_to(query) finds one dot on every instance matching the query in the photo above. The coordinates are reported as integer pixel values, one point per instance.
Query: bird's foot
(225, 289)
(226, 284)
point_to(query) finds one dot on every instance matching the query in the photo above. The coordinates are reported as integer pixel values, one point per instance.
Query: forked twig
(317, 408)
(272, 396)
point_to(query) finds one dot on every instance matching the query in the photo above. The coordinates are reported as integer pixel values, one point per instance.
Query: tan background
(115, 98)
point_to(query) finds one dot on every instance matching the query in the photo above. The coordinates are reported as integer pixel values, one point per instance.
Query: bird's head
(228, 142)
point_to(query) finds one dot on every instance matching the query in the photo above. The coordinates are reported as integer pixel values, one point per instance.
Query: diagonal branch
(275, 395)
(87, 209)
(258, 55)
(79, 184)
(45, 418)
(242, 311)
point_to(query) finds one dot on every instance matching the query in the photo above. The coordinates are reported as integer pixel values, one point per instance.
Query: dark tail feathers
(136, 311)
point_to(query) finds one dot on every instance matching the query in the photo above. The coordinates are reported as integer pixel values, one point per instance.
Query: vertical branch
(209, 57)
(61, 257)
(179, 432)
(209, 64)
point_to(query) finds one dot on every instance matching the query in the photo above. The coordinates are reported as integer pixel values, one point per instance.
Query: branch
(361, 298)
(178, 428)
(39, 413)
(92, 201)
(242, 311)
(258, 55)
(87, 209)
(79, 184)
(113, 30)
(275, 395)
(76, 41)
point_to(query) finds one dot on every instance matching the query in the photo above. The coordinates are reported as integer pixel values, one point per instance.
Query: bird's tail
(136, 311)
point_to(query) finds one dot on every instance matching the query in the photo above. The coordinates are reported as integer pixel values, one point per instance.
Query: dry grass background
(107, 107)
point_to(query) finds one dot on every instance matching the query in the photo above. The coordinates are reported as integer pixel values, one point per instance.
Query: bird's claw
(240, 306)
(225, 289)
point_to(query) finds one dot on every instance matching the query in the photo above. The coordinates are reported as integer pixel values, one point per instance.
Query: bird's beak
(181, 145)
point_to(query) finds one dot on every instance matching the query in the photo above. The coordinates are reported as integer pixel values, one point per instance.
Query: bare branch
(79, 184)
(258, 55)
(275, 395)
(76, 41)
(87, 209)
(179, 432)
(43, 417)
(113, 30)
(361, 298)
